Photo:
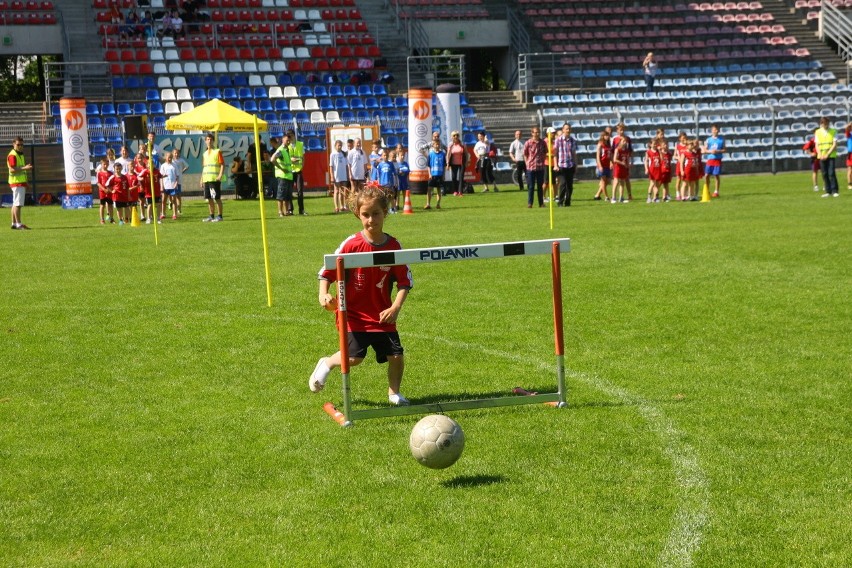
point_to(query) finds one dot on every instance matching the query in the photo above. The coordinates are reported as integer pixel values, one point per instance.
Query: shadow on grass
(463, 481)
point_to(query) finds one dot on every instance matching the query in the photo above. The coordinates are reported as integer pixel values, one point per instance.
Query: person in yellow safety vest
(18, 169)
(297, 158)
(284, 175)
(213, 167)
(826, 142)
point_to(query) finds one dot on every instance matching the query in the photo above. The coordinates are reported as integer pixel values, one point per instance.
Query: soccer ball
(436, 441)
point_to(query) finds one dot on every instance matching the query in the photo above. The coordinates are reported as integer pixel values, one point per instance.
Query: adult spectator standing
(456, 161)
(484, 165)
(213, 168)
(297, 157)
(18, 169)
(535, 155)
(565, 149)
(714, 147)
(826, 139)
(649, 66)
(284, 173)
(180, 169)
(357, 166)
(516, 154)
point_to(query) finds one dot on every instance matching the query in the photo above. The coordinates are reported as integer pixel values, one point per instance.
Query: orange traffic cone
(407, 209)
(705, 194)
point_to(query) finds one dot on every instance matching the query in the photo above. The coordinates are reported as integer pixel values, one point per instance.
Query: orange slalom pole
(343, 338)
(558, 323)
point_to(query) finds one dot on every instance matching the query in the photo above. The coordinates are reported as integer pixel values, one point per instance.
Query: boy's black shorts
(384, 343)
(436, 181)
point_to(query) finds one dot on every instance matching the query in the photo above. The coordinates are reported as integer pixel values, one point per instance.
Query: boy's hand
(325, 300)
(389, 315)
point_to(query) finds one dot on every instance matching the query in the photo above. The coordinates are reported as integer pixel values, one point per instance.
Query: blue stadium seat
(356, 103)
(250, 105)
(469, 138)
(394, 115)
(92, 109)
(244, 93)
(149, 82)
(392, 141)
(199, 95)
(236, 104)
(314, 144)
(240, 81)
(152, 95)
(156, 108)
(132, 82)
(363, 116)
(335, 91)
(259, 93)
(379, 90)
(326, 104)
(214, 93)
(371, 103)
(107, 109)
(400, 102)
(194, 82)
(118, 82)
(140, 108)
(305, 92)
(286, 116)
(347, 116)
(99, 150)
(271, 118)
(341, 104)
(123, 109)
(229, 94)
(264, 105)
(365, 90)
(350, 91)
(302, 117)
(285, 80)
(386, 102)
(320, 91)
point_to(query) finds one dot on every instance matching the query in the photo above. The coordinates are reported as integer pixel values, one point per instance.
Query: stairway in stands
(380, 20)
(795, 26)
(82, 31)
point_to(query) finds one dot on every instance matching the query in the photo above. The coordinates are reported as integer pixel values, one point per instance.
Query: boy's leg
(325, 365)
(396, 366)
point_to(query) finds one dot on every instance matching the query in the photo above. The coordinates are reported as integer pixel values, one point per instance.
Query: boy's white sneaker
(398, 400)
(317, 381)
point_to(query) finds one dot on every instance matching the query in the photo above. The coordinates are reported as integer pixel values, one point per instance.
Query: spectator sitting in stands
(115, 13)
(146, 25)
(128, 30)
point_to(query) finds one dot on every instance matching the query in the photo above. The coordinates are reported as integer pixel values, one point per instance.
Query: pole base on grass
(524, 392)
(335, 414)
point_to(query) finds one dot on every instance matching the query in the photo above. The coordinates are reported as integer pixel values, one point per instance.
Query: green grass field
(155, 412)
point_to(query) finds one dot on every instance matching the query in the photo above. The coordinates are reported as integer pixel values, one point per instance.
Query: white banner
(75, 146)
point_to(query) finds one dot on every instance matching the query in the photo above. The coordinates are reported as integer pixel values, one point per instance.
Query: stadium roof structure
(217, 116)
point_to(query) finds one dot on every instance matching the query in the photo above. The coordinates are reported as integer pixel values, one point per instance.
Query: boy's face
(372, 216)
(436, 145)
(714, 131)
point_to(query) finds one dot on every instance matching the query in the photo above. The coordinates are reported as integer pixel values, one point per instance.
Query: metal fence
(546, 72)
(434, 70)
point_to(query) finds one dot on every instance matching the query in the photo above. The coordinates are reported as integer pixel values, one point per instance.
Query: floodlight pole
(558, 337)
(343, 337)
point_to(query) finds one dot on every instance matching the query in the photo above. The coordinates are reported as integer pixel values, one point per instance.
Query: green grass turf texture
(155, 411)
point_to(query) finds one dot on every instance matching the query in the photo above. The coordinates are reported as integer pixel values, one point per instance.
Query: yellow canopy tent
(218, 116)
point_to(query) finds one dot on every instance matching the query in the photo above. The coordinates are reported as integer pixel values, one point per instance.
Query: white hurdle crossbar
(341, 262)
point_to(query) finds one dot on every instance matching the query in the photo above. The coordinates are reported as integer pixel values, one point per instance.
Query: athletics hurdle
(341, 262)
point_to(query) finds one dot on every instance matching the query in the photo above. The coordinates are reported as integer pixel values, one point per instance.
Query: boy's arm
(324, 296)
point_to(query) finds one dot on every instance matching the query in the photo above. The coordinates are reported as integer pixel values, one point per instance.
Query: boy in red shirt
(104, 193)
(371, 314)
(665, 168)
(120, 186)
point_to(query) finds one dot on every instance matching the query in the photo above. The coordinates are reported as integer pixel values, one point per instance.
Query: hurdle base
(441, 407)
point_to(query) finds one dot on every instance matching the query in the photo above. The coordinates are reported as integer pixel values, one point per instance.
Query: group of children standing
(350, 170)
(125, 184)
(614, 156)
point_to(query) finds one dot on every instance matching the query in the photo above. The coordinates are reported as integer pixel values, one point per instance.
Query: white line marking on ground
(692, 513)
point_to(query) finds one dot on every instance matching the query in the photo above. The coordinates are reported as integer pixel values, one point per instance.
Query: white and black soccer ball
(436, 441)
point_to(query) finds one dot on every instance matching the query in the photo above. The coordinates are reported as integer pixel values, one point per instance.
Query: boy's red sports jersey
(103, 177)
(666, 166)
(368, 290)
(691, 165)
(620, 171)
(120, 186)
(679, 151)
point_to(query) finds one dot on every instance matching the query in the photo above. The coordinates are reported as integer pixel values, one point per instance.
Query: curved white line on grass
(692, 514)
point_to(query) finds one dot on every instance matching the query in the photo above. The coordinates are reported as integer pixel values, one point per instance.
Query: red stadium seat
(259, 53)
(216, 54)
(146, 69)
(130, 69)
(245, 53)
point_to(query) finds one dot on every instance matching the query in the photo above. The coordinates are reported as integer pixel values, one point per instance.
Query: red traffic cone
(407, 209)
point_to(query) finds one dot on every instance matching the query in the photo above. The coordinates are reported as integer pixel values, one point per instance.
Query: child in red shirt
(620, 170)
(371, 316)
(653, 170)
(104, 193)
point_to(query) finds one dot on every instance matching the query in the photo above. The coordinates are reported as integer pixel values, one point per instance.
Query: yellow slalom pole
(156, 221)
(550, 174)
(259, 175)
